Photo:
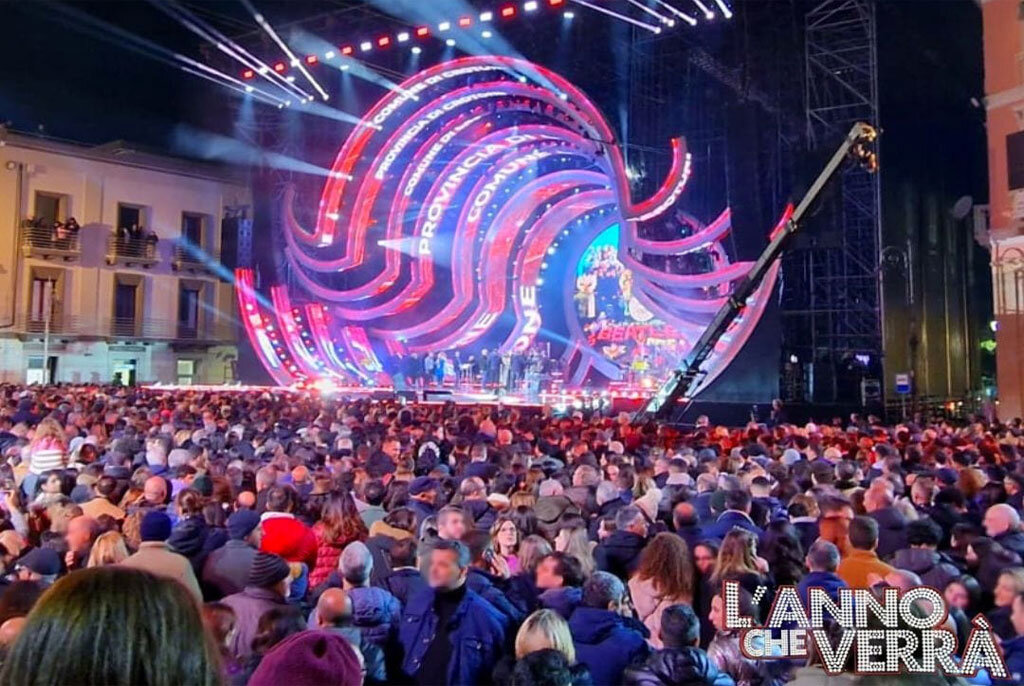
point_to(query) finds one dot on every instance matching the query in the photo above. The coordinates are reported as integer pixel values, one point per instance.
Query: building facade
(132, 291)
(1004, 102)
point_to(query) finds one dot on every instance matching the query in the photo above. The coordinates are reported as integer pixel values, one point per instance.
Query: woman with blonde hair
(45, 453)
(542, 630)
(572, 539)
(108, 549)
(664, 578)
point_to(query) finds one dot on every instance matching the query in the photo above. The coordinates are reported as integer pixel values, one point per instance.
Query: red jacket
(286, 536)
(327, 555)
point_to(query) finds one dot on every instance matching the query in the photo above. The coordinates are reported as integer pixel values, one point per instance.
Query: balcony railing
(190, 258)
(126, 250)
(45, 242)
(126, 329)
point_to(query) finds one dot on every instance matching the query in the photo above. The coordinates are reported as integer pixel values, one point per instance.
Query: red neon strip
(248, 74)
(508, 11)
(384, 41)
(347, 50)
(465, 21)
(279, 67)
(422, 32)
(311, 59)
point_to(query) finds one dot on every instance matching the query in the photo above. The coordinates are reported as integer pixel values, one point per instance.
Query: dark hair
(781, 547)
(950, 496)
(973, 589)
(863, 533)
(548, 667)
(923, 532)
(279, 499)
(401, 518)
(149, 630)
(18, 599)
(602, 589)
(679, 627)
(373, 492)
(275, 625)
(403, 553)
(457, 547)
(567, 567)
(478, 542)
(106, 486)
(737, 500)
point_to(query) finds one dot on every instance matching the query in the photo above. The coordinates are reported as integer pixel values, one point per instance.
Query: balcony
(45, 242)
(120, 329)
(188, 257)
(131, 251)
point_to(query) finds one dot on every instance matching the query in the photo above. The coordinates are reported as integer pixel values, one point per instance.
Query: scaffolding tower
(831, 300)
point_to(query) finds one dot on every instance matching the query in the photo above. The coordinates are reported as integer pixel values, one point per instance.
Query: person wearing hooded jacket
(680, 661)
(606, 642)
(374, 611)
(619, 554)
(922, 557)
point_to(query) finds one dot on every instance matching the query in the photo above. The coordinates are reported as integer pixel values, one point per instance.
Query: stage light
(403, 36)
(384, 41)
(444, 26)
(311, 59)
(290, 79)
(248, 74)
(344, 67)
(249, 89)
(486, 34)
(726, 12)
(416, 49)
(294, 61)
(522, 79)
(347, 50)
(422, 32)
(708, 14)
(530, 6)
(486, 16)
(450, 42)
(263, 69)
(508, 11)
(563, 96)
(329, 55)
(465, 22)
(365, 46)
(279, 67)
(617, 15)
(568, 14)
(556, 3)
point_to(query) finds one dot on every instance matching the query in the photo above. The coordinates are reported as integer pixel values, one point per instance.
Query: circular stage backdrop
(484, 205)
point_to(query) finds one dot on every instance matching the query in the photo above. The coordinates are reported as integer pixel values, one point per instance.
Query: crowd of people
(192, 537)
(56, 234)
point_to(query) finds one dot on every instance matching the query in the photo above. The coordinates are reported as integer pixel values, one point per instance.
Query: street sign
(903, 384)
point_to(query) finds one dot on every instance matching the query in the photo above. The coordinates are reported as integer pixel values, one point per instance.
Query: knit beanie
(156, 526)
(267, 569)
(309, 657)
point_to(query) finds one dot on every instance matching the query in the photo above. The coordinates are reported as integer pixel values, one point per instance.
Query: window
(192, 228)
(125, 295)
(130, 216)
(41, 303)
(186, 372)
(50, 207)
(188, 311)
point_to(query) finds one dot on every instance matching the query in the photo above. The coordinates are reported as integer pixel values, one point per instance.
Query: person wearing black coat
(680, 662)
(620, 552)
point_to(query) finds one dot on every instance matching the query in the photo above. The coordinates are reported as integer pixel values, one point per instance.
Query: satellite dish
(962, 207)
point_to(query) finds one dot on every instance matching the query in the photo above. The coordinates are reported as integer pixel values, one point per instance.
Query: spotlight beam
(705, 9)
(623, 17)
(726, 12)
(294, 60)
(689, 19)
(258, 93)
(227, 46)
(660, 17)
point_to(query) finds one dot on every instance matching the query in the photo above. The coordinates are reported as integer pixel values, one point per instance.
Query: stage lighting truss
(656, 16)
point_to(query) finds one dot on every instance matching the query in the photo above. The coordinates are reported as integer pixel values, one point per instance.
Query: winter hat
(44, 561)
(204, 485)
(156, 526)
(309, 657)
(422, 484)
(241, 523)
(267, 569)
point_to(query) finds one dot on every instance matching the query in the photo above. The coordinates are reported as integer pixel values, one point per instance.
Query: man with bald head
(10, 629)
(1002, 524)
(686, 524)
(892, 525)
(154, 492)
(334, 614)
(82, 531)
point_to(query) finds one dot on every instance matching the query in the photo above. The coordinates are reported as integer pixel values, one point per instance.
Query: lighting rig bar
(440, 30)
